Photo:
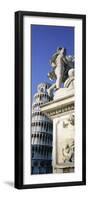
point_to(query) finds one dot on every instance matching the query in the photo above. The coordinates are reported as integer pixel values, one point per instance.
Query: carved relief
(61, 110)
(68, 151)
(70, 120)
(65, 141)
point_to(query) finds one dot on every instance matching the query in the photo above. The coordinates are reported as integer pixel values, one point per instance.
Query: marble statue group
(61, 110)
(62, 68)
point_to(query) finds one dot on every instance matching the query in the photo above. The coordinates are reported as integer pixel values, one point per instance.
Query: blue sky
(44, 42)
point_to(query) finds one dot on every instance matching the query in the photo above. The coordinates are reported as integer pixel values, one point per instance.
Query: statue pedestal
(61, 111)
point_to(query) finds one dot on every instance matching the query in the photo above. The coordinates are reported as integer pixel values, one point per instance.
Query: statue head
(61, 50)
(71, 72)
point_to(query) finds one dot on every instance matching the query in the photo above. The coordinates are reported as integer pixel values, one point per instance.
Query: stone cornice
(58, 107)
(61, 110)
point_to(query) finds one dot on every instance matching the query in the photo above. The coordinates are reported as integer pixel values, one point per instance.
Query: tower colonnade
(41, 137)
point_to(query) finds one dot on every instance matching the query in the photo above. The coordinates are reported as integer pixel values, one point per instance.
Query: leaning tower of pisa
(41, 138)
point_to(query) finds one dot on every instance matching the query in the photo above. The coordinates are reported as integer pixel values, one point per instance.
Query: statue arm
(53, 59)
(65, 60)
(51, 75)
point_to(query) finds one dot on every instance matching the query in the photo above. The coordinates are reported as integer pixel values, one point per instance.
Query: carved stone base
(63, 143)
(63, 93)
(61, 111)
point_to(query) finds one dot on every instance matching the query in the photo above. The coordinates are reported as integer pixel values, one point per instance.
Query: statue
(69, 83)
(61, 65)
